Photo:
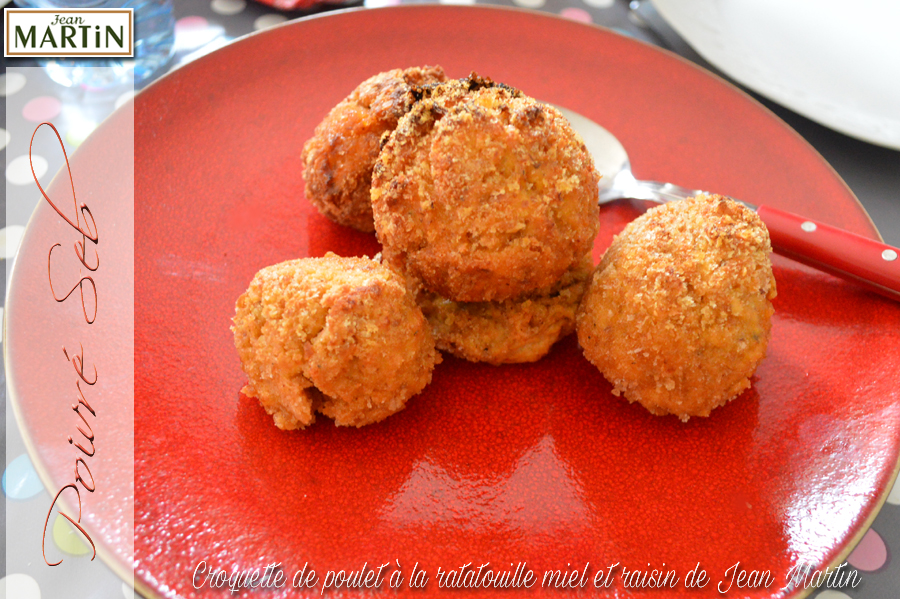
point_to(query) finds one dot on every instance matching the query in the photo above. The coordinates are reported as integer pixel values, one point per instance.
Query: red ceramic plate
(535, 464)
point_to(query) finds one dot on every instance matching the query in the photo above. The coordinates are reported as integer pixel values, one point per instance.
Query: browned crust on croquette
(484, 194)
(512, 331)
(338, 336)
(678, 313)
(338, 158)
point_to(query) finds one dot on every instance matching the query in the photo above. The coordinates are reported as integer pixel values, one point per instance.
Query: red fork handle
(870, 263)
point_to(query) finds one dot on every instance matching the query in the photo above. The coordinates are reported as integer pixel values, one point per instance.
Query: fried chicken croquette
(338, 336)
(338, 159)
(508, 332)
(678, 312)
(483, 193)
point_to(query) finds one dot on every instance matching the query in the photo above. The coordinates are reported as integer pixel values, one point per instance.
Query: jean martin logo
(66, 32)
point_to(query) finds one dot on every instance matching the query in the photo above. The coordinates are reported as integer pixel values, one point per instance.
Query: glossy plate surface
(534, 463)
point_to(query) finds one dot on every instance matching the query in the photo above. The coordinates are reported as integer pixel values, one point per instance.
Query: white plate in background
(836, 62)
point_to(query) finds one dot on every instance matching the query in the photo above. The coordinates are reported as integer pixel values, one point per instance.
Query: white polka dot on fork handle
(889, 255)
(808, 226)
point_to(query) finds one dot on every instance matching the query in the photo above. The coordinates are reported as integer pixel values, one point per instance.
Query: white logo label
(67, 32)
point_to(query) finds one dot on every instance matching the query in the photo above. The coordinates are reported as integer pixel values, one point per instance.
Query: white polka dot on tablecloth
(42, 108)
(195, 32)
(128, 592)
(270, 20)
(20, 479)
(10, 83)
(530, 3)
(18, 172)
(4, 138)
(10, 238)
(832, 594)
(576, 14)
(227, 7)
(600, 3)
(20, 586)
(870, 554)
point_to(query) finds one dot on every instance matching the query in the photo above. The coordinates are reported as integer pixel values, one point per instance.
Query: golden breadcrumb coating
(678, 313)
(338, 336)
(511, 331)
(338, 159)
(483, 193)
